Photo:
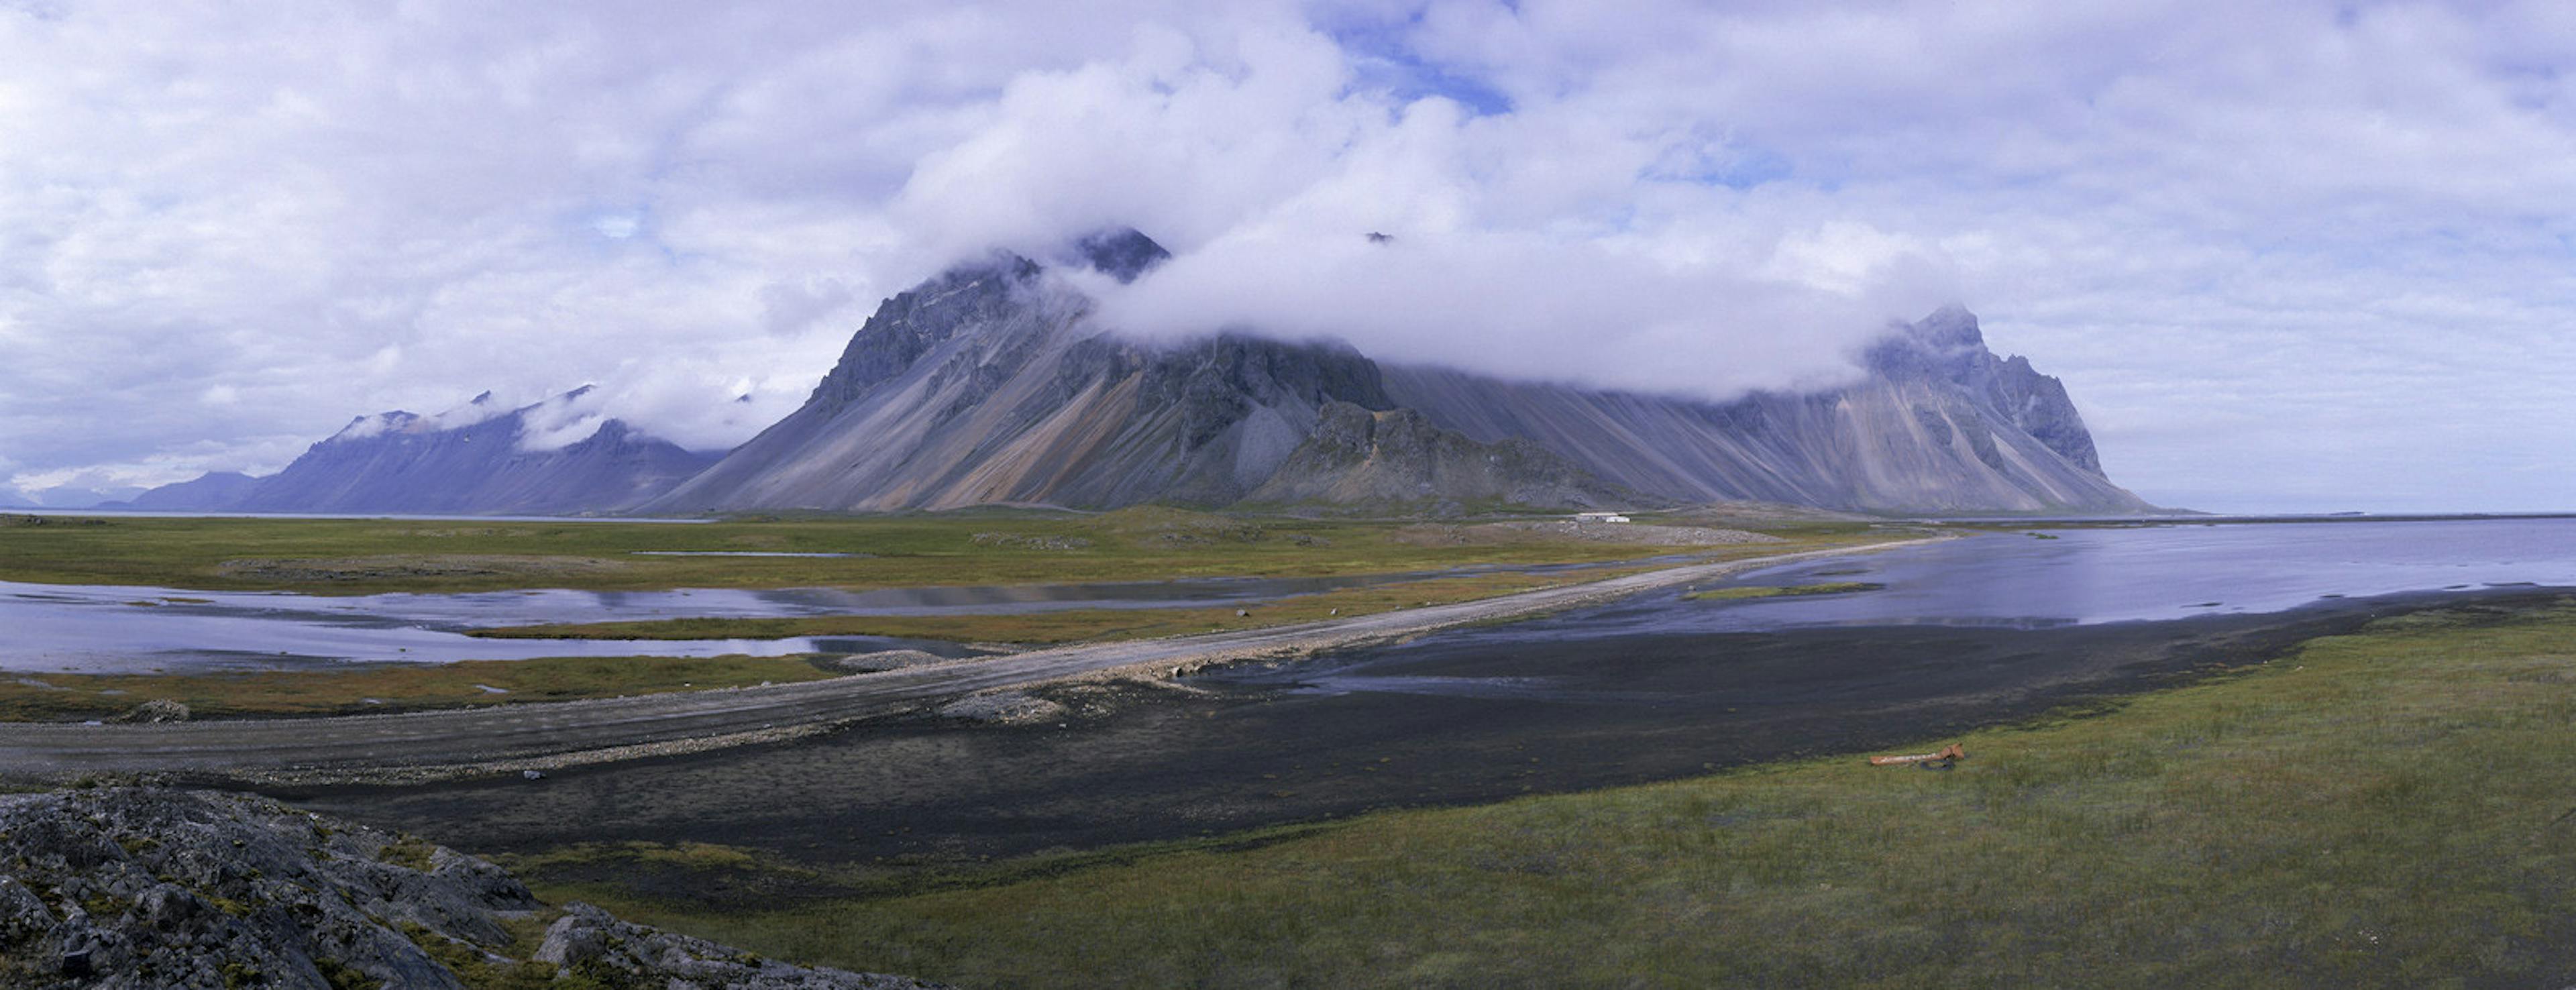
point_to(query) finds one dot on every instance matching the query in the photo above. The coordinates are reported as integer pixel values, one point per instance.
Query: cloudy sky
(2287, 256)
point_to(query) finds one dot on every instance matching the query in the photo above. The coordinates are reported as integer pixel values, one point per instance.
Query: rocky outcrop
(471, 461)
(590, 942)
(156, 712)
(149, 888)
(1396, 457)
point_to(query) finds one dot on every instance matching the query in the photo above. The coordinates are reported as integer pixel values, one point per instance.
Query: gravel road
(509, 738)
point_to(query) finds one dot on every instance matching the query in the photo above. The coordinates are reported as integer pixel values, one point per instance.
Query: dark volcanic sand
(1144, 763)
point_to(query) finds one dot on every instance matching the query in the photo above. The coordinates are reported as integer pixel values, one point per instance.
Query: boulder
(136, 887)
(156, 710)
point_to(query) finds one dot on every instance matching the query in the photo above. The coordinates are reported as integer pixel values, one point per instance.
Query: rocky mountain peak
(1948, 348)
(1947, 345)
(1950, 326)
(911, 323)
(362, 427)
(1122, 253)
(960, 301)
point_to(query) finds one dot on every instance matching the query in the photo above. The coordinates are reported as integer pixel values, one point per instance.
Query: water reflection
(2001, 581)
(97, 628)
(2165, 572)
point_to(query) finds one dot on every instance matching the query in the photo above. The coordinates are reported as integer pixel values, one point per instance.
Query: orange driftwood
(1950, 752)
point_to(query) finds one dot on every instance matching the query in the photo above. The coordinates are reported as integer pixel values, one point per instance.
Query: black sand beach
(1451, 720)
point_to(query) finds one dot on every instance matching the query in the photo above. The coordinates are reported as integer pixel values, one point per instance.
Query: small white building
(1585, 517)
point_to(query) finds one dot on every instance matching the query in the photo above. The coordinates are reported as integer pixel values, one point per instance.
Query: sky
(2286, 256)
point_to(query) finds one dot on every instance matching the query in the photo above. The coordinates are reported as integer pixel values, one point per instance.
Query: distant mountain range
(62, 497)
(991, 384)
(470, 461)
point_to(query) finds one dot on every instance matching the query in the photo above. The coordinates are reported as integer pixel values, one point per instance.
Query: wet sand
(1252, 747)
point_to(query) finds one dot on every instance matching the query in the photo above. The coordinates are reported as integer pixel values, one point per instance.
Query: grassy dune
(333, 556)
(2384, 809)
(395, 687)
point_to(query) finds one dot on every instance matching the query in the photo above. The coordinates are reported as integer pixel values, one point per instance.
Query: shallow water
(2010, 581)
(91, 633)
(114, 628)
(405, 516)
(2161, 572)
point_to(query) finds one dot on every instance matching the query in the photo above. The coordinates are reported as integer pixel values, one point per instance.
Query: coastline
(1130, 763)
(420, 746)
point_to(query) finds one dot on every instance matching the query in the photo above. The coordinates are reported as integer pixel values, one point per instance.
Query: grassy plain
(354, 556)
(2393, 808)
(394, 687)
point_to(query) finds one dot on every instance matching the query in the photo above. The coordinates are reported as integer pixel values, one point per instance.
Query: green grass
(409, 852)
(1076, 625)
(2384, 809)
(333, 556)
(476, 969)
(1770, 591)
(396, 687)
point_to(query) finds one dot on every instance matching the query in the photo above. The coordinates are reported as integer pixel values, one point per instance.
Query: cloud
(2289, 255)
(562, 420)
(1264, 155)
(1525, 306)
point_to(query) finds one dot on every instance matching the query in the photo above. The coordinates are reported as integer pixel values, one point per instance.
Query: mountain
(214, 491)
(467, 461)
(67, 497)
(991, 384)
(1396, 457)
(1939, 424)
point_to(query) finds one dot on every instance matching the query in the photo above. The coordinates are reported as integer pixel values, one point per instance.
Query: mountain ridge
(467, 461)
(1923, 432)
(993, 384)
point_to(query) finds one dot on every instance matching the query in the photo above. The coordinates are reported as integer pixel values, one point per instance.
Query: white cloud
(617, 226)
(2286, 255)
(563, 420)
(1524, 306)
